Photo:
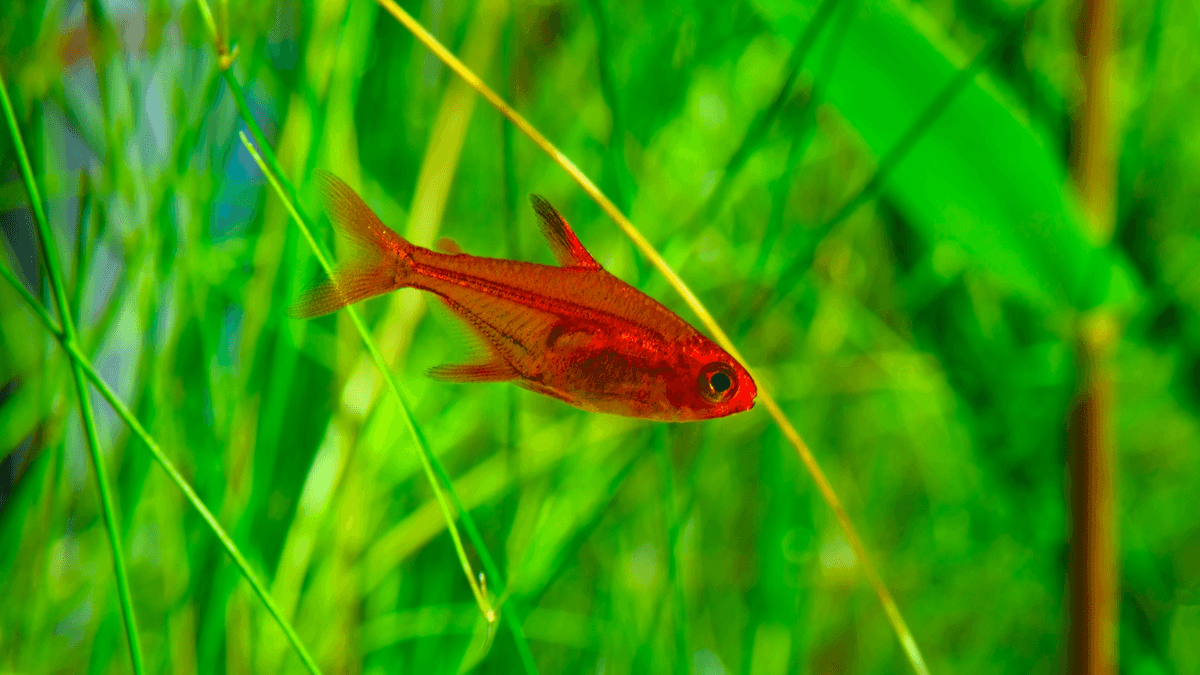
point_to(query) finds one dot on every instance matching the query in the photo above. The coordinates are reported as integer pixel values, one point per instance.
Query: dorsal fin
(563, 242)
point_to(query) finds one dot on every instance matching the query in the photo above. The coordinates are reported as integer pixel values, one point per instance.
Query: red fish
(574, 332)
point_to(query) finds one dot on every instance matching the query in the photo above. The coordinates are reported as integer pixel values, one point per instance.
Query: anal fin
(496, 370)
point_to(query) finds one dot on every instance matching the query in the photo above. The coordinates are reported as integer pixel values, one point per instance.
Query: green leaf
(979, 176)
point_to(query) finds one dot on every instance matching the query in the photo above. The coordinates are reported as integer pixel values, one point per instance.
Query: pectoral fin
(563, 242)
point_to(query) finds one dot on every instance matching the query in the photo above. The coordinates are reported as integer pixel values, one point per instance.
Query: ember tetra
(574, 332)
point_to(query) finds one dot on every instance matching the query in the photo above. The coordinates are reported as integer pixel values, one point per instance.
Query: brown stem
(1093, 146)
(1093, 601)
(1093, 571)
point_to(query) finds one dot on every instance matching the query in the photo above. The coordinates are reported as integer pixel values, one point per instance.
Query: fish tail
(382, 263)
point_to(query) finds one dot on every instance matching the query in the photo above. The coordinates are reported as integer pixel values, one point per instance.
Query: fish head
(710, 383)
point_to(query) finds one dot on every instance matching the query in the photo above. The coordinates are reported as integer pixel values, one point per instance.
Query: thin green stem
(511, 616)
(34, 304)
(109, 511)
(87, 415)
(903, 634)
(231, 548)
(430, 462)
(422, 447)
(53, 269)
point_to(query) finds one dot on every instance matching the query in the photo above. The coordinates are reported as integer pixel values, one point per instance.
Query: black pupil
(720, 382)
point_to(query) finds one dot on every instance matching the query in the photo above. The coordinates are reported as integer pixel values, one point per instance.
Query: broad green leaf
(979, 176)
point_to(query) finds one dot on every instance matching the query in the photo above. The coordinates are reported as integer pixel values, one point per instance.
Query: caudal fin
(379, 264)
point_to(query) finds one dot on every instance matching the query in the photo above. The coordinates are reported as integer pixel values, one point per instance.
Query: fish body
(573, 331)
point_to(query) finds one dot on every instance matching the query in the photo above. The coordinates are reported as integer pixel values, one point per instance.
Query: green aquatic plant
(869, 196)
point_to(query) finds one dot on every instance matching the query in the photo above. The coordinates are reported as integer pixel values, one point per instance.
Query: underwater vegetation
(950, 246)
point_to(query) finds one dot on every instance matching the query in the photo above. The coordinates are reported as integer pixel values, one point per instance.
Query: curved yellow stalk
(907, 641)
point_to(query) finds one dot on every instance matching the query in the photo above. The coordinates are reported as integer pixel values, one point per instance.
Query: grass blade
(82, 367)
(87, 415)
(430, 462)
(32, 302)
(110, 521)
(903, 634)
(138, 430)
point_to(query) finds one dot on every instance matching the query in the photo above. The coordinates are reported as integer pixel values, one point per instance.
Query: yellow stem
(907, 641)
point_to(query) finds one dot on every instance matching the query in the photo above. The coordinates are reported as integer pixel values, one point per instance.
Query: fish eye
(717, 382)
(720, 382)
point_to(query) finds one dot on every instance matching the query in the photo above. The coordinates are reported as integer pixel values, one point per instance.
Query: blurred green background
(922, 342)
